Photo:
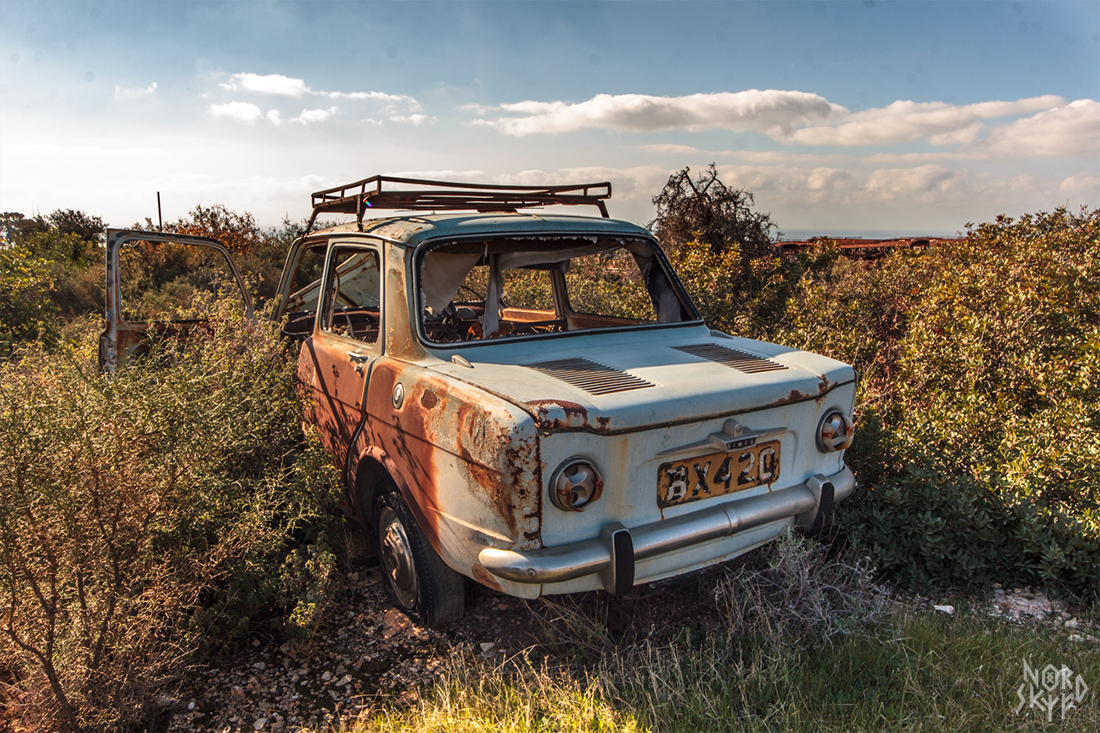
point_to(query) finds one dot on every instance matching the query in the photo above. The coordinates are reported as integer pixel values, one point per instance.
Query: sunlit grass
(915, 670)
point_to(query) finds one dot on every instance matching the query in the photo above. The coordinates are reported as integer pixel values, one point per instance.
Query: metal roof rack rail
(356, 198)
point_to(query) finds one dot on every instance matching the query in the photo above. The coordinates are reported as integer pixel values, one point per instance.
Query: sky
(863, 118)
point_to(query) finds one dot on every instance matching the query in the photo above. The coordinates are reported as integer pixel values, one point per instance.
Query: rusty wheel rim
(397, 559)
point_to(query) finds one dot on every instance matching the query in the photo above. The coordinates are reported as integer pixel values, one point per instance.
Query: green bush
(154, 515)
(978, 449)
(26, 310)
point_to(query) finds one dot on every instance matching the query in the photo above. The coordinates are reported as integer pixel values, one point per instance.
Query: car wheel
(416, 578)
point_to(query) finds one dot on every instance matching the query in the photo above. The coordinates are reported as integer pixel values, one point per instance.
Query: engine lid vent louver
(740, 360)
(593, 378)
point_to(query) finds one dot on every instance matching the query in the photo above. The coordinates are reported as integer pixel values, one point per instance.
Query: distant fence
(866, 249)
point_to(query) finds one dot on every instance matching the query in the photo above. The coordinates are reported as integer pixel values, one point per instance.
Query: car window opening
(476, 290)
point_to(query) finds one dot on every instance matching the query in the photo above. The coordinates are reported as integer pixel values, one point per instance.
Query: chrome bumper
(618, 548)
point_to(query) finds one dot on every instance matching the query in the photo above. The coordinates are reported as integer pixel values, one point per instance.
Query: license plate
(718, 474)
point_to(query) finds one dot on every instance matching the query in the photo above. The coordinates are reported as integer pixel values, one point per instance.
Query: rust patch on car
(446, 432)
(794, 396)
(560, 414)
(483, 576)
(405, 439)
(500, 491)
(565, 415)
(428, 400)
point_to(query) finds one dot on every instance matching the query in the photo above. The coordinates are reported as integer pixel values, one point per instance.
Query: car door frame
(325, 352)
(121, 339)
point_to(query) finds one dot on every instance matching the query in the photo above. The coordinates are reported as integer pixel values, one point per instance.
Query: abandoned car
(531, 400)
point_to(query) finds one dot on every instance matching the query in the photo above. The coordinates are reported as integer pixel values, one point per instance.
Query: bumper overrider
(614, 554)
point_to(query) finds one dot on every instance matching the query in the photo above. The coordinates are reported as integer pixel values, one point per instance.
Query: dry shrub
(151, 515)
(801, 597)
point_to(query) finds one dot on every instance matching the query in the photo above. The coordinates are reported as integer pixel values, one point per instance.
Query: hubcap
(397, 558)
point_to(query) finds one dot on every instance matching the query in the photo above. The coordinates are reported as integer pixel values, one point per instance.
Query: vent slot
(593, 378)
(740, 360)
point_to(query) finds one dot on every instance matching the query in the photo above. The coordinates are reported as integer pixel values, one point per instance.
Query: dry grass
(806, 643)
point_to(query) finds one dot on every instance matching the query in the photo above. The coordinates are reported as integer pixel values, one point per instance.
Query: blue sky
(841, 117)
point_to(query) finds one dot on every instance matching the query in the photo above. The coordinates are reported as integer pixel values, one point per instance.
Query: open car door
(156, 284)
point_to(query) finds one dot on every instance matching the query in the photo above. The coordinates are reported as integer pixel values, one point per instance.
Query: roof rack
(356, 198)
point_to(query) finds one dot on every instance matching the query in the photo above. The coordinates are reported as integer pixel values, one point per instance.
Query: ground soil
(367, 653)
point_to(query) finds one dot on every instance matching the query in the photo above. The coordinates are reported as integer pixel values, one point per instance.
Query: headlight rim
(839, 439)
(558, 493)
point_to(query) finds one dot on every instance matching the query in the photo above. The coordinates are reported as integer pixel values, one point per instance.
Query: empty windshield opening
(471, 291)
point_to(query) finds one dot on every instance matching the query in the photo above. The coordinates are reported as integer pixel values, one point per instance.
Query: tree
(87, 227)
(238, 232)
(17, 227)
(710, 212)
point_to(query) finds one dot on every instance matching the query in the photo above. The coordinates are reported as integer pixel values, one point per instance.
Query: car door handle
(360, 360)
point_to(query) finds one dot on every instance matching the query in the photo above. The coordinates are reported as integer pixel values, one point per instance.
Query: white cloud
(127, 92)
(1072, 129)
(923, 184)
(907, 121)
(960, 136)
(415, 120)
(1081, 187)
(242, 111)
(770, 111)
(671, 149)
(315, 115)
(785, 157)
(287, 86)
(473, 176)
(1048, 126)
(388, 99)
(266, 84)
(401, 108)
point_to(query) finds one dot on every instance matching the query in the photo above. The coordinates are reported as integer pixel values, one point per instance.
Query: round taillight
(575, 484)
(835, 432)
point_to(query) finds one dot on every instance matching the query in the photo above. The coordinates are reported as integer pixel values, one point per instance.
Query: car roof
(413, 228)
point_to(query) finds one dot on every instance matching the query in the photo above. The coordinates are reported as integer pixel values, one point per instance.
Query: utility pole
(160, 218)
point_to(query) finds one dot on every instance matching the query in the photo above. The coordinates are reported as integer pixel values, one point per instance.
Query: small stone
(326, 676)
(949, 610)
(487, 645)
(255, 643)
(191, 705)
(395, 622)
(259, 724)
(259, 666)
(1076, 637)
(1072, 623)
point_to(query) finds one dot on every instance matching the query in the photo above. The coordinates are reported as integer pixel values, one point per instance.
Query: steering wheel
(446, 326)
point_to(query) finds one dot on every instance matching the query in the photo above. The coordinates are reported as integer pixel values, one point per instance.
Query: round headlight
(574, 485)
(835, 432)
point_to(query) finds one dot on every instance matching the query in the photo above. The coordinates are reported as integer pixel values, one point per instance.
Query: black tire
(416, 578)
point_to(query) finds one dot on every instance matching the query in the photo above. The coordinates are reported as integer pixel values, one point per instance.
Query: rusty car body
(531, 400)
